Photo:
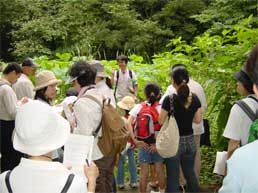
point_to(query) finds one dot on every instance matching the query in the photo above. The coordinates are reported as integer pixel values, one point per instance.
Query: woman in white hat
(103, 82)
(38, 131)
(46, 86)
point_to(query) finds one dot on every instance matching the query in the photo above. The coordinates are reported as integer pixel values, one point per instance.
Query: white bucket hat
(39, 129)
(44, 79)
(126, 103)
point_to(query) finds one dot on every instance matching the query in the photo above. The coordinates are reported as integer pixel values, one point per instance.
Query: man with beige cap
(37, 137)
(24, 87)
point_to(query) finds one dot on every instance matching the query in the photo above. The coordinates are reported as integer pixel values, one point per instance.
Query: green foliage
(99, 28)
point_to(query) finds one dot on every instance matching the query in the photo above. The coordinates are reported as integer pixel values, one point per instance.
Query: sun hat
(44, 79)
(126, 103)
(30, 63)
(99, 67)
(39, 129)
(243, 77)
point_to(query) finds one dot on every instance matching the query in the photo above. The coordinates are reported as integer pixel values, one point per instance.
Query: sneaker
(121, 187)
(133, 185)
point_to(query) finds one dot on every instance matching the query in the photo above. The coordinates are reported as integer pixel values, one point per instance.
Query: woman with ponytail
(186, 109)
(144, 117)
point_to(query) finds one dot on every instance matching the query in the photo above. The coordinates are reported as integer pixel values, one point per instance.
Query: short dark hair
(12, 67)
(123, 58)
(84, 72)
(252, 64)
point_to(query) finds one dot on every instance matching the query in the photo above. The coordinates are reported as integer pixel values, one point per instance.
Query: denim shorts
(148, 157)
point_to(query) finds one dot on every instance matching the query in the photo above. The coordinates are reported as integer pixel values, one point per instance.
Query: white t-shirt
(106, 92)
(197, 89)
(134, 112)
(88, 116)
(8, 102)
(238, 124)
(33, 176)
(125, 84)
(23, 87)
(242, 171)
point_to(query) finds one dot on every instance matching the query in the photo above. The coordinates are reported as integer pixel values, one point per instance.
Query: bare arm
(91, 172)
(112, 77)
(232, 146)
(198, 116)
(162, 116)
(136, 90)
(137, 143)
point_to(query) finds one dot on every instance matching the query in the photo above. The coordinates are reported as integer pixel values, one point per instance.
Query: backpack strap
(253, 97)
(2, 83)
(246, 109)
(117, 77)
(7, 182)
(68, 183)
(95, 133)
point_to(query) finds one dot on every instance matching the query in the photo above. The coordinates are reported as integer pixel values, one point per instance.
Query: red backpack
(146, 122)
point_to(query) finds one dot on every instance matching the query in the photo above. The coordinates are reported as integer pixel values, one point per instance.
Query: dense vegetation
(212, 37)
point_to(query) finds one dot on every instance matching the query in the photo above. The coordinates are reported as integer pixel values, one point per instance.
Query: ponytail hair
(183, 93)
(152, 92)
(180, 77)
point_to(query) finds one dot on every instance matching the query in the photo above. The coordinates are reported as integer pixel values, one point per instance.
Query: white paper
(76, 150)
(220, 164)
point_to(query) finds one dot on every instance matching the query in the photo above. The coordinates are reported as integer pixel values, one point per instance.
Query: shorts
(148, 157)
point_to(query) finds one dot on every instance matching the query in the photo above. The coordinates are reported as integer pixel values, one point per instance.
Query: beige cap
(99, 67)
(127, 103)
(44, 79)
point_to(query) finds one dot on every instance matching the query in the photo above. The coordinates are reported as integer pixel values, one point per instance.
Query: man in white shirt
(238, 124)
(198, 129)
(88, 114)
(24, 87)
(8, 105)
(124, 80)
(242, 166)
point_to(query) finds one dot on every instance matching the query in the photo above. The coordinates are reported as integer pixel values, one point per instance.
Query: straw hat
(99, 67)
(127, 103)
(39, 129)
(44, 79)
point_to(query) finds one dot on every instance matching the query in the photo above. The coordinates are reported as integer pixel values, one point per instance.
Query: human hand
(22, 101)
(91, 172)
(152, 148)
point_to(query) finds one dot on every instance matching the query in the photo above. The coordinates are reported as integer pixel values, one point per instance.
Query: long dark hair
(152, 92)
(40, 94)
(180, 77)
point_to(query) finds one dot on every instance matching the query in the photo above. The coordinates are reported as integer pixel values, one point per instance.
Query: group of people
(33, 133)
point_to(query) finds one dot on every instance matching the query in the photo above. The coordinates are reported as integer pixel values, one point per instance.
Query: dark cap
(243, 77)
(30, 63)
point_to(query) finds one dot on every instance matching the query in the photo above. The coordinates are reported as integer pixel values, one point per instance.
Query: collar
(41, 165)
(85, 89)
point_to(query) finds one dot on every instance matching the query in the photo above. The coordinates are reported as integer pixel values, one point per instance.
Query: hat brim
(102, 74)
(59, 136)
(54, 81)
(70, 80)
(122, 105)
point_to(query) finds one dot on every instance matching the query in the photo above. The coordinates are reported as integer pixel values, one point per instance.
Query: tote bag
(167, 141)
